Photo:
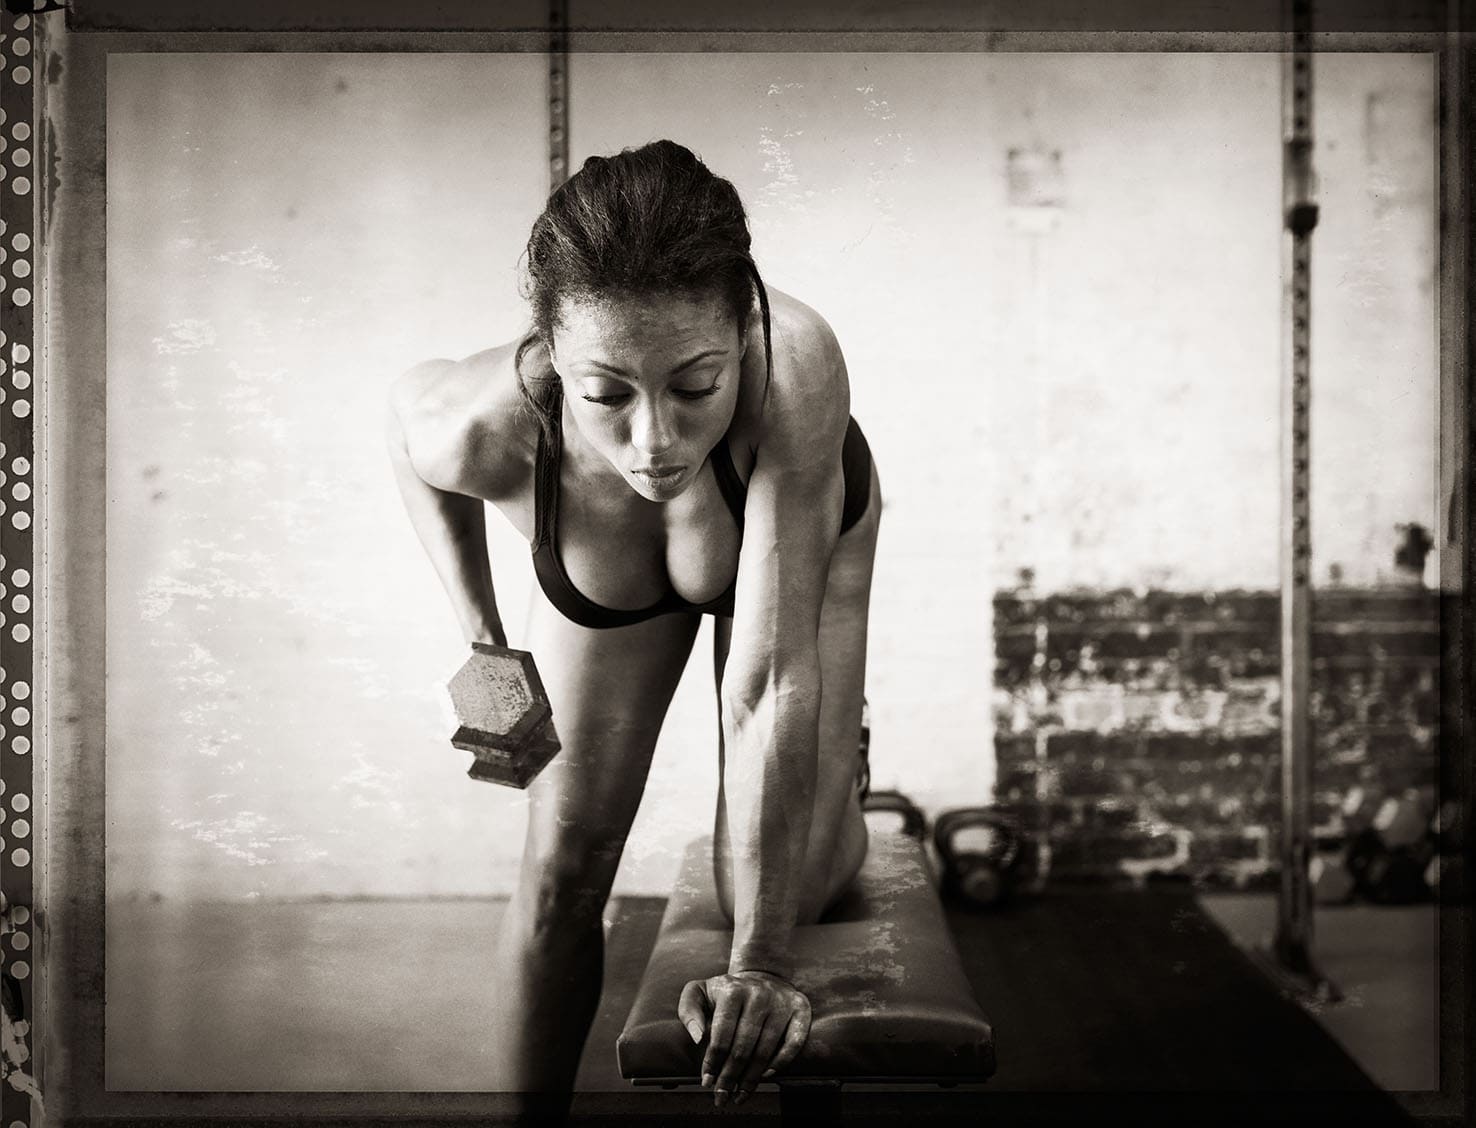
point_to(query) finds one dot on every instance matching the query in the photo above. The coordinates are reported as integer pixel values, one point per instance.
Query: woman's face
(651, 382)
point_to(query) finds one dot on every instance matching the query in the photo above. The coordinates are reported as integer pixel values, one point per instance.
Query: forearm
(771, 735)
(452, 529)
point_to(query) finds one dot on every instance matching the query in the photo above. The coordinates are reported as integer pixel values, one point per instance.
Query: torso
(625, 552)
(471, 433)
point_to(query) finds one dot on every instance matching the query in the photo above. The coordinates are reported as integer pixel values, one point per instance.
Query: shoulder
(809, 395)
(466, 427)
(802, 339)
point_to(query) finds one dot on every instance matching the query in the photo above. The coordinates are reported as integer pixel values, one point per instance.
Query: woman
(673, 440)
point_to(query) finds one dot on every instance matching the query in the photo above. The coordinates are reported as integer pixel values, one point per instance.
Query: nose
(653, 430)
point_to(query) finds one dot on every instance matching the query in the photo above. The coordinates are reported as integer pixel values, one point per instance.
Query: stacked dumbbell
(1394, 851)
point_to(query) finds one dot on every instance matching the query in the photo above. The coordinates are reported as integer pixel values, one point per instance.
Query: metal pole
(1292, 946)
(23, 306)
(558, 93)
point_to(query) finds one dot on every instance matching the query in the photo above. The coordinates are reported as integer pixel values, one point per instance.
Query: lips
(663, 480)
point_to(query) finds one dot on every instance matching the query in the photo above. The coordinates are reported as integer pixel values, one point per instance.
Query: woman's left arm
(771, 709)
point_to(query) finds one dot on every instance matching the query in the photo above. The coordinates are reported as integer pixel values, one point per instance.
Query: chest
(624, 552)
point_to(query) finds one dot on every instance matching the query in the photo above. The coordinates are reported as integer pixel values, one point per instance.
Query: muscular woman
(673, 440)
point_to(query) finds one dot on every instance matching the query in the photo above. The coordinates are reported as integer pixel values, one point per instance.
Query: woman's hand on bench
(756, 1023)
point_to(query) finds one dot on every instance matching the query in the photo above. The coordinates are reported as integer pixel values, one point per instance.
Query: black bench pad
(888, 994)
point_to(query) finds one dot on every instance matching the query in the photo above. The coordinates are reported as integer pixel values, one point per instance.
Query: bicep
(791, 524)
(792, 517)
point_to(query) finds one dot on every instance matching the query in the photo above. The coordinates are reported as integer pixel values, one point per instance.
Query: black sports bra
(574, 605)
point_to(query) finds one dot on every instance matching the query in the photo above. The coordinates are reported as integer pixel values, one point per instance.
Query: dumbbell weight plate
(518, 769)
(1402, 820)
(503, 715)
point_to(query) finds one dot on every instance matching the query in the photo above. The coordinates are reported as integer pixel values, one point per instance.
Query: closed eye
(621, 397)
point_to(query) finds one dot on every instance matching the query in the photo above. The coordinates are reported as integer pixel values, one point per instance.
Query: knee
(818, 892)
(564, 887)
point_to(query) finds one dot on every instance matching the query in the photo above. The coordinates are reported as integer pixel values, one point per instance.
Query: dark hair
(651, 220)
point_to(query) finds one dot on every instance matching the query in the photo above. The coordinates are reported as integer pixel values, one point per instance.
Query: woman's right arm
(452, 527)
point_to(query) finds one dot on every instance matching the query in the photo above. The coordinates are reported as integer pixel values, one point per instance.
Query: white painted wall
(287, 232)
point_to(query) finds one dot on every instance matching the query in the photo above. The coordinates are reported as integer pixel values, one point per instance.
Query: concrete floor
(394, 995)
(1384, 961)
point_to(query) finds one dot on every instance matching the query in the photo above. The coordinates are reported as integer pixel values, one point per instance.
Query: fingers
(753, 1032)
(763, 1055)
(726, 1011)
(795, 1036)
(692, 1009)
(746, 1039)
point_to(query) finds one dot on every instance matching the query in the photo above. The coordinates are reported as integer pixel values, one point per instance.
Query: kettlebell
(913, 822)
(980, 851)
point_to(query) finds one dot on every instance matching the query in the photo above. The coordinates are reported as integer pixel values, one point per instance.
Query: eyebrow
(679, 368)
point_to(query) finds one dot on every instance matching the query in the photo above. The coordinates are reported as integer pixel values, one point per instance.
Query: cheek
(604, 429)
(717, 419)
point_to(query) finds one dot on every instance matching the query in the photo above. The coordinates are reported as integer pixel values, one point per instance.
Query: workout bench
(889, 1000)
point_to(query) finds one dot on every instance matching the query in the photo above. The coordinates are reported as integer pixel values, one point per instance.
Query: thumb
(692, 1009)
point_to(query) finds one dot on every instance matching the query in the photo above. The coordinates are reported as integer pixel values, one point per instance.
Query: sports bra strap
(546, 463)
(729, 484)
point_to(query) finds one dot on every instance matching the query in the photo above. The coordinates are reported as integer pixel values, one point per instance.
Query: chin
(659, 491)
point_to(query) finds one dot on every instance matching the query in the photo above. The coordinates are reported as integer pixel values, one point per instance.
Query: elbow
(786, 682)
(744, 683)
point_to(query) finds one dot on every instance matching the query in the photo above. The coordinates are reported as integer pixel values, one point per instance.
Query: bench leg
(810, 1103)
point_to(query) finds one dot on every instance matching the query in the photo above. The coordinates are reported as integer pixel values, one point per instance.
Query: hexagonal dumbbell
(503, 716)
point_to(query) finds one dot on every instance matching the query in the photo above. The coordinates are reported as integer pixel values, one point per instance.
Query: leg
(837, 844)
(609, 690)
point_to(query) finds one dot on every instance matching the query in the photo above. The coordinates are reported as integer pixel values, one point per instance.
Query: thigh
(609, 691)
(844, 622)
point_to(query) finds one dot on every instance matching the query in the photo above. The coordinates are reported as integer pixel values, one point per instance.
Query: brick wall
(1138, 733)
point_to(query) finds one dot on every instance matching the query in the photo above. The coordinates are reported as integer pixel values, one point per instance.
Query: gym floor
(391, 995)
(1384, 961)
